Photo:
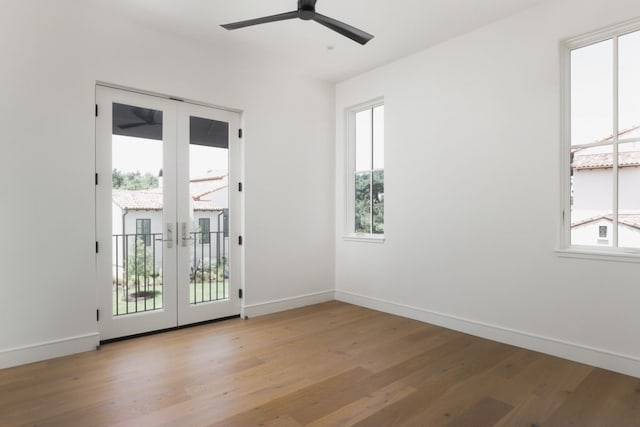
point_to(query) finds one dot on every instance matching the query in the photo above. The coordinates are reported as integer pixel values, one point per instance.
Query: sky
(145, 155)
(592, 88)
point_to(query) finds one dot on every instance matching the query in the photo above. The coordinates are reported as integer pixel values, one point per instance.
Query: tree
(365, 194)
(133, 180)
(140, 268)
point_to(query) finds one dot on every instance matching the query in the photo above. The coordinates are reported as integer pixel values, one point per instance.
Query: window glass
(363, 140)
(205, 230)
(378, 137)
(363, 202)
(592, 195)
(629, 85)
(368, 171)
(604, 152)
(143, 229)
(592, 93)
(629, 195)
(378, 202)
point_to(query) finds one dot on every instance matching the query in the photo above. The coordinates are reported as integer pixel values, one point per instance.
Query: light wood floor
(332, 364)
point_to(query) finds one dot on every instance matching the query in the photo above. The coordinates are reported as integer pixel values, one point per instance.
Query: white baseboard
(275, 306)
(622, 363)
(48, 350)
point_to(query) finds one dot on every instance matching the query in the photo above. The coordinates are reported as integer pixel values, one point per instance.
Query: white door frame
(193, 313)
(176, 309)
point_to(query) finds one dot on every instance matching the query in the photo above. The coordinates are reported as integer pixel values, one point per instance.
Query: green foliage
(364, 194)
(133, 180)
(140, 268)
(214, 272)
(378, 202)
(363, 203)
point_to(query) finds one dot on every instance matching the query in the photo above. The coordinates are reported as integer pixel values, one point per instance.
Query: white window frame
(566, 249)
(350, 165)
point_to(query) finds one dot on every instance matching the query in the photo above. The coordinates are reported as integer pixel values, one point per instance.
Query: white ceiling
(401, 27)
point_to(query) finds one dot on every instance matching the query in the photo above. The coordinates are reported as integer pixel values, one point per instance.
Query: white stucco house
(137, 216)
(592, 194)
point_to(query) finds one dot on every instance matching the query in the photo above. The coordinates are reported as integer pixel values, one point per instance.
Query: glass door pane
(135, 212)
(209, 191)
(137, 222)
(207, 257)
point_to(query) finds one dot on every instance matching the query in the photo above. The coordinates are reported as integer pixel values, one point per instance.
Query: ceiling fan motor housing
(307, 15)
(306, 11)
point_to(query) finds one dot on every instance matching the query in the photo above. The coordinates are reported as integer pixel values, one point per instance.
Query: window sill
(599, 255)
(364, 238)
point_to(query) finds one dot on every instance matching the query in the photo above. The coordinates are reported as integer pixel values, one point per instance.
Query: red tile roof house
(592, 195)
(137, 216)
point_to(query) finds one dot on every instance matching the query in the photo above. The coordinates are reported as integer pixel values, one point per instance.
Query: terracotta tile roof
(605, 160)
(151, 200)
(631, 220)
(205, 205)
(211, 176)
(144, 200)
(209, 183)
(203, 188)
(627, 133)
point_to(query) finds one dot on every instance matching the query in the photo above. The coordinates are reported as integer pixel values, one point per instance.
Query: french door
(165, 213)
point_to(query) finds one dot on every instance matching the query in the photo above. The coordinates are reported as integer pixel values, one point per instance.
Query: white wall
(589, 234)
(593, 191)
(52, 55)
(473, 193)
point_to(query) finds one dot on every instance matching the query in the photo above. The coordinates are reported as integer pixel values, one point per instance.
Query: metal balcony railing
(138, 275)
(209, 273)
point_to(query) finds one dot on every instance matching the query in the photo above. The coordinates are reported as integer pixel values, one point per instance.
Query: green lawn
(197, 294)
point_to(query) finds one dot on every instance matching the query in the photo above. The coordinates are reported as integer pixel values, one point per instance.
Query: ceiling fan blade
(141, 113)
(346, 30)
(131, 125)
(263, 20)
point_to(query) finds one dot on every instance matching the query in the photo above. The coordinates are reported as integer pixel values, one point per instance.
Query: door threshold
(161, 331)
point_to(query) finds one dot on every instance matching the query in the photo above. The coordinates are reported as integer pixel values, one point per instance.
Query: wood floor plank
(305, 398)
(331, 364)
(461, 385)
(487, 412)
(364, 407)
(591, 402)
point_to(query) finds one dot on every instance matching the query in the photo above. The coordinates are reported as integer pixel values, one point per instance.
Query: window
(366, 170)
(602, 133)
(143, 230)
(205, 230)
(602, 232)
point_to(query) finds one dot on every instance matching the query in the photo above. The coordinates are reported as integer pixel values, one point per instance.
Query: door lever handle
(169, 239)
(185, 233)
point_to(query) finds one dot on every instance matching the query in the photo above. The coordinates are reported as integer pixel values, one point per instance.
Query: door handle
(169, 239)
(185, 233)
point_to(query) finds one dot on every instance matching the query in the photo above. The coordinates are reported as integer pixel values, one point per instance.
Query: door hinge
(96, 110)
(97, 315)
(240, 240)
(239, 133)
(240, 293)
(96, 179)
(97, 247)
(240, 186)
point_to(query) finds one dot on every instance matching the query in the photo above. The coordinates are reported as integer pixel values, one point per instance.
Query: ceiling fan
(147, 117)
(307, 12)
